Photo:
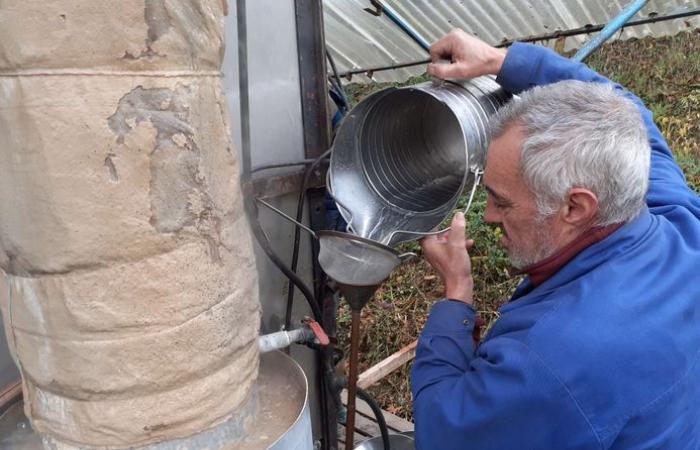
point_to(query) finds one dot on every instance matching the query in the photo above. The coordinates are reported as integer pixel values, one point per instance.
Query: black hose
(264, 242)
(378, 414)
(297, 237)
(250, 205)
(336, 78)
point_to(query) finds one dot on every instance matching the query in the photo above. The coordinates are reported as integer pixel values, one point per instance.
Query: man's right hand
(468, 57)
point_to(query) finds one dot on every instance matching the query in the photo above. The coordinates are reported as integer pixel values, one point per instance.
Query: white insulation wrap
(128, 283)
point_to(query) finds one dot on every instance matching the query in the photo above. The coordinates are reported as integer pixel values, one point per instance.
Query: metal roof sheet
(360, 40)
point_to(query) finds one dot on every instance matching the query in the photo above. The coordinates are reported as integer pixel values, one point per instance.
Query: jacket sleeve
(528, 65)
(503, 397)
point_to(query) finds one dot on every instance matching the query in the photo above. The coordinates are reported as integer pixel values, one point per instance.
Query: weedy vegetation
(664, 72)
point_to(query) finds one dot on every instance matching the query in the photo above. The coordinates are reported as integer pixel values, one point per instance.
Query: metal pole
(242, 26)
(611, 28)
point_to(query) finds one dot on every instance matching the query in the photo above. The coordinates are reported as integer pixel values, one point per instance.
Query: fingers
(469, 244)
(457, 229)
(444, 71)
(444, 55)
(429, 242)
(431, 246)
(442, 49)
(470, 57)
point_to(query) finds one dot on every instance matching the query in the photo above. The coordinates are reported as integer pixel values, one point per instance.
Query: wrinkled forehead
(503, 159)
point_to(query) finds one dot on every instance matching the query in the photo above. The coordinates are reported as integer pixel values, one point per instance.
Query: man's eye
(498, 203)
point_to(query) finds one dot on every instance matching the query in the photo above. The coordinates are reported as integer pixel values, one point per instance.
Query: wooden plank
(386, 366)
(394, 423)
(341, 437)
(366, 426)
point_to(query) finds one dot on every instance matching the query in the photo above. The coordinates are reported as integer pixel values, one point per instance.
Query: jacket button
(465, 321)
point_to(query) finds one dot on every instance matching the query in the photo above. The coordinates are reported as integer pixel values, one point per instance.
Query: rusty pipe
(352, 378)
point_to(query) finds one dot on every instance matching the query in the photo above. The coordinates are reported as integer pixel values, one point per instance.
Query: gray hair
(581, 134)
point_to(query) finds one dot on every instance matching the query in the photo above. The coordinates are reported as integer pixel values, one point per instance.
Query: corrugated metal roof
(360, 40)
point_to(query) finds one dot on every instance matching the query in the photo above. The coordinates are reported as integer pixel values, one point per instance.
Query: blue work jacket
(602, 355)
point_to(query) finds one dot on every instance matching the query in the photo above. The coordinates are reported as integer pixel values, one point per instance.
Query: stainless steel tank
(403, 156)
(278, 418)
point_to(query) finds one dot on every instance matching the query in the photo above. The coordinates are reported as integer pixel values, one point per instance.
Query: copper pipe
(10, 394)
(352, 378)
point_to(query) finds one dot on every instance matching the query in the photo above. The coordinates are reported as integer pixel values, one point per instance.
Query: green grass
(664, 72)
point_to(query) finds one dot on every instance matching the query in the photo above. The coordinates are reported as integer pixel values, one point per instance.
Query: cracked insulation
(125, 258)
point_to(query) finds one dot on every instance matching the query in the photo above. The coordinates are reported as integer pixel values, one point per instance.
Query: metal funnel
(351, 260)
(355, 261)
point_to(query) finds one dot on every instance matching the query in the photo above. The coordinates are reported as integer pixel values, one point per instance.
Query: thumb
(428, 243)
(457, 230)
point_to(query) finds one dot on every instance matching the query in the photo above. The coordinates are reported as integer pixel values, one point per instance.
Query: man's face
(527, 237)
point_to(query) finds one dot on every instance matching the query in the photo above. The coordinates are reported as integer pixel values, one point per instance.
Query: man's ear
(581, 207)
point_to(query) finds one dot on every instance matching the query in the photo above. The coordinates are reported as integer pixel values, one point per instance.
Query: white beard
(542, 248)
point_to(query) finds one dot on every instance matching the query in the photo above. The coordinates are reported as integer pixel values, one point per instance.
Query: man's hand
(470, 57)
(448, 254)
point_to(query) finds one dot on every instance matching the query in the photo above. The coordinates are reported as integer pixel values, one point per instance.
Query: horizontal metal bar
(593, 28)
(381, 68)
(536, 38)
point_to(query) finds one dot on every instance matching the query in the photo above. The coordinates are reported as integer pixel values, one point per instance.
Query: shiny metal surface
(352, 260)
(360, 40)
(220, 437)
(277, 417)
(396, 441)
(298, 436)
(402, 156)
(283, 339)
(276, 128)
(349, 259)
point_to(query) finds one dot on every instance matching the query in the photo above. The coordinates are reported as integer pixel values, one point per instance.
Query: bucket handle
(329, 189)
(407, 256)
(477, 179)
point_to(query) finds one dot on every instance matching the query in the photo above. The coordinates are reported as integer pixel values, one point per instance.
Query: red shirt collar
(541, 271)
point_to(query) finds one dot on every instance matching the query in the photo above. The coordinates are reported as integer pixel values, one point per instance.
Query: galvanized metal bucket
(403, 156)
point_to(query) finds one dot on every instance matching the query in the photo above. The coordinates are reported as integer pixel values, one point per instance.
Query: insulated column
(127, 277)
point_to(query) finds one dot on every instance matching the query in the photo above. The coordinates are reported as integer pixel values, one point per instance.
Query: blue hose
(408, 29)
(611, 28)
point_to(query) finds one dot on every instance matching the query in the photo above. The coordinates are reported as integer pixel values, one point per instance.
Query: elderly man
(599, 347)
